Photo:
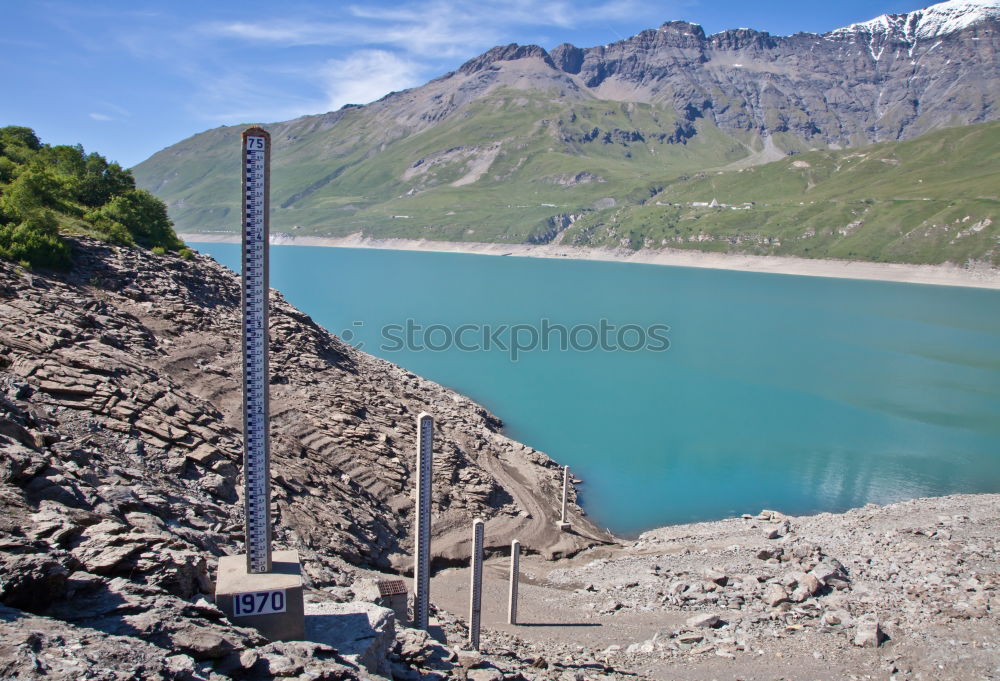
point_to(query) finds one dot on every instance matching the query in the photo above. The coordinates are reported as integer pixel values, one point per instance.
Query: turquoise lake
(801, 394)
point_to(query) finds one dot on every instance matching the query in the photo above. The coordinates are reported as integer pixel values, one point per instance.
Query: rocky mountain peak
(567, 58)
(742, 38)
(511, 52)
(684, 28)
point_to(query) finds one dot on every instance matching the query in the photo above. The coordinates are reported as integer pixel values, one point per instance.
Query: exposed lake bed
(976, 274)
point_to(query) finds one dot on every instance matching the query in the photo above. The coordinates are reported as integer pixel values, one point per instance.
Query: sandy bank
(945, 275)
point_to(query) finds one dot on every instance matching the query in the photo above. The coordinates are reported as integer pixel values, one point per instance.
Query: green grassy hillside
(521, 165)
(932, 199)
(498, 169)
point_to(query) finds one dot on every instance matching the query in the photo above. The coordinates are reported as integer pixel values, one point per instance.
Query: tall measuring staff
(256, 412)
(422, 542)
(263, 590)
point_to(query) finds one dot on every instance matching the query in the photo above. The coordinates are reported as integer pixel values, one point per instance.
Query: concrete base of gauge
(249, 600)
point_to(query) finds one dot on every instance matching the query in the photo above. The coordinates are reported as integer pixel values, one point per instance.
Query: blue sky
(128, 78)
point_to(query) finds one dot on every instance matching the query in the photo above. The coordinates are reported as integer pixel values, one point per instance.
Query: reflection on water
(794, 393)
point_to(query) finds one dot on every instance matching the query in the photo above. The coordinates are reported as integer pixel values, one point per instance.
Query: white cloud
(101, 117)
(421, 33)
(509, 14)
(288, 33)
(264, 68)
(233, 97)
(433, 27)
(367, 75)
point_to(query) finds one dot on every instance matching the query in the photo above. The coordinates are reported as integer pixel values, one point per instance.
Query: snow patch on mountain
(936, 20)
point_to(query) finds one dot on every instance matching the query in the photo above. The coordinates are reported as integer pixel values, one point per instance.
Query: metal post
(256, 441)
(563, 522)
(476, 591)
(515, 568)
(422, 542)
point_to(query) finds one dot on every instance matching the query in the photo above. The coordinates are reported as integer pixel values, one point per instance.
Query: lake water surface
(800, 394)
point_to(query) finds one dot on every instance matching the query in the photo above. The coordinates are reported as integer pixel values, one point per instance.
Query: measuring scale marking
(422, 568)
(256, 149)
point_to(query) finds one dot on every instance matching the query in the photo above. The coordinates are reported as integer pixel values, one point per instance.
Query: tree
(47, 188)
(30, 192)
(35, 241)
(100, 181)
(7, 169)
(142, 215)
(20, 136)
(63, 159)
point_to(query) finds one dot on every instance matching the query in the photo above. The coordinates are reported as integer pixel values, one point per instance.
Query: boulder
(791, 579)
(364, 633)
(702, 621)
(31, 582)
(45, 648)
(775, 594)
(487, 674)
(202, 643)
(298, 659)
(868, 632)
(715, 576)
(413, 644)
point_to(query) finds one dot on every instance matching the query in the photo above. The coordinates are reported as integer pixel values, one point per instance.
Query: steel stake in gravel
(563, 522)
(476, 590)
(515, 567)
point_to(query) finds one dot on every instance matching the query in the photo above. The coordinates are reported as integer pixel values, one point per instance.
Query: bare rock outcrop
(120, 460)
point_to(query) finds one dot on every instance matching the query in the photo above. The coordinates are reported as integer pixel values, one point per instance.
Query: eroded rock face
(894, 77)
(120, 456)
(890, 78)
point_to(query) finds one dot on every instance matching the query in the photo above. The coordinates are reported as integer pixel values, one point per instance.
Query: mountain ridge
(466, 156)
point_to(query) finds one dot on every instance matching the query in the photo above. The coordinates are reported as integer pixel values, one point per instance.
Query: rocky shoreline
(905, 591)
(909, 591)
(975, 275)
(119, 491)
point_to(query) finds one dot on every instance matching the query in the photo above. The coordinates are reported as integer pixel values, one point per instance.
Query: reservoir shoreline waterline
(801, 394)
(978, 276)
